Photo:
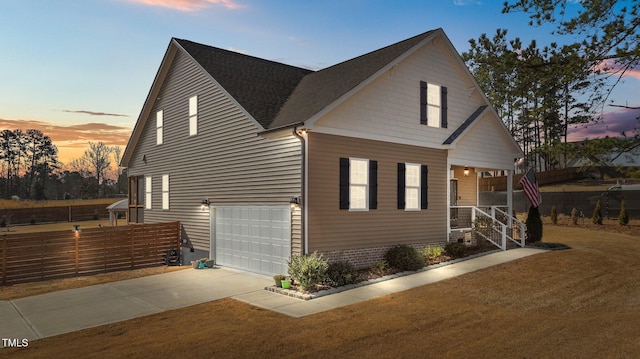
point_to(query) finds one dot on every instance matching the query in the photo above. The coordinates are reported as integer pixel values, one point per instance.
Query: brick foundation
(366, 257)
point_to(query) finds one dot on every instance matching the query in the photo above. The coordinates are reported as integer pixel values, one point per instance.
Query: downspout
(303, 190)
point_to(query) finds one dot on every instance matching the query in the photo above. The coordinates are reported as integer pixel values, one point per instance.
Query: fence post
(178, 237)
(4, 259)
(77, 240)
(133, 248)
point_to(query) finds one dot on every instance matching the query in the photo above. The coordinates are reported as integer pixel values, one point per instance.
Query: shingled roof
(260, 86)
(280, 95)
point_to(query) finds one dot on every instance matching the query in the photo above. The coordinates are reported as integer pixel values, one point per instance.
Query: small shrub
(597, 214)
(574, 216)
(623, 218)
(534, 226)
(341, 273)
(554, 215)
(379, 268)
(404, 258)
(431, 252)
(308, 270)
(456, 250)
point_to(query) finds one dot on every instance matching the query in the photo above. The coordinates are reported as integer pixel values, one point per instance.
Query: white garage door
(252, 238)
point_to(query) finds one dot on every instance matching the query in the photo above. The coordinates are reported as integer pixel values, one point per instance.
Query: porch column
(510, 198)
(448, 199)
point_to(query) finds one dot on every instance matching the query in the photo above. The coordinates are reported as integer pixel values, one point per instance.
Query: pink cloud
(189, 5)
(613, 124)
(72, 140)
(612, 67)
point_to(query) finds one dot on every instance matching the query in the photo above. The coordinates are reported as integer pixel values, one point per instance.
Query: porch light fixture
(294, 201)
(204, 204)
(466, 171)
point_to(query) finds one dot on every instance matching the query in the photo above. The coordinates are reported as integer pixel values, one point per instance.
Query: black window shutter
(344, 183)
(424, 187)
(401, 185)
(423, 102)
(443, 104)
(373, 184)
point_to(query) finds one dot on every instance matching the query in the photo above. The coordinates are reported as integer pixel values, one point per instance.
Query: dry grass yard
(578, 303)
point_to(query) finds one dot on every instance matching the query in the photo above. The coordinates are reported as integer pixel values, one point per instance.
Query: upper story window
(193, 115)
(358, 184)
(412, 186)
(159, 127)
(147, 192)
(165, 191)
(433, 105)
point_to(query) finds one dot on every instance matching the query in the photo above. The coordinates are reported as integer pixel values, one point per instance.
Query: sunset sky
(80, 71)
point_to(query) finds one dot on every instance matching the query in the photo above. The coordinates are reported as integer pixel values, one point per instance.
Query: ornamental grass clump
(308, 270)
(431, 252)
(554, 215)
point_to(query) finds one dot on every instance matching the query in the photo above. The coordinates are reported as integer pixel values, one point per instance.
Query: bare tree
(97, 159)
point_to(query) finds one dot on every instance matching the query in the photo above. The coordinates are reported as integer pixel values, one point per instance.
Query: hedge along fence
(47, 255)
(46, 214)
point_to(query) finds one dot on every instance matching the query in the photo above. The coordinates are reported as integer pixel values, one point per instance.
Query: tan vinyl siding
(467, 186)
(332, 229)
(226, 161)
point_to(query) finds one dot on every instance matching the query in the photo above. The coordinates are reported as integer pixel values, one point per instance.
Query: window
(136, 193)
(159, 127)
(358, 184)
(165, 191)
(147, 192)
(433, 105)
(412, 186)
(193, 115)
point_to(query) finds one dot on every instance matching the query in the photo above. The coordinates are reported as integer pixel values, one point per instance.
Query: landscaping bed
(382, 272)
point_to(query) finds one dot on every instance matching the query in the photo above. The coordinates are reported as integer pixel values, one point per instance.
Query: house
(260, 160)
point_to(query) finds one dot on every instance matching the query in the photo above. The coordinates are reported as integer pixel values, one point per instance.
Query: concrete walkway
(71, 310)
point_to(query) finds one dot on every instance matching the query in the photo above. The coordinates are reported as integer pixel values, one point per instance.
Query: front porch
(468, 220)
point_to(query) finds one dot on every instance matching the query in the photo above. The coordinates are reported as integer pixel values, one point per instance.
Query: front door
(453, 195)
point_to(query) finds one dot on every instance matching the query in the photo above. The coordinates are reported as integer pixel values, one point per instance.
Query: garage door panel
(254, 238)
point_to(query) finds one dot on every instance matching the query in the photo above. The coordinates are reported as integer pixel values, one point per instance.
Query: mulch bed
(375, 274)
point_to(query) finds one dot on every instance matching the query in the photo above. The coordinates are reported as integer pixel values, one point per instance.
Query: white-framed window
(358, 184)
(412, 187)
(165, 191)
(193, 115)
(159, 127)
(147, 192)
(433, 105)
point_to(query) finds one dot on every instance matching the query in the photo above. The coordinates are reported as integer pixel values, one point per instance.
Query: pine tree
(623, 218)
(597, 214)
(534, 226)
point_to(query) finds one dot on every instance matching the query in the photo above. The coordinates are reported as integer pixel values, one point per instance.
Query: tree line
(30, 169)
(541, 92)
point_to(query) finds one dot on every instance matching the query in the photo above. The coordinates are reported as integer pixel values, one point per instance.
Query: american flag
(530, 186)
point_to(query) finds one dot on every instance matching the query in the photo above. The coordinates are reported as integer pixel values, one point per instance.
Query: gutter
(303, 189)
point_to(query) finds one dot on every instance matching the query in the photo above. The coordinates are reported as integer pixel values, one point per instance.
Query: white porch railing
(492, 224)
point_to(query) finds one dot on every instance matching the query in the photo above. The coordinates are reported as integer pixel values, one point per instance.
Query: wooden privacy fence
(47, 255)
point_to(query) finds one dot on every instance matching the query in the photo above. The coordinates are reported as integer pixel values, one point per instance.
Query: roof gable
(260, 86)
(318, 90)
